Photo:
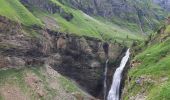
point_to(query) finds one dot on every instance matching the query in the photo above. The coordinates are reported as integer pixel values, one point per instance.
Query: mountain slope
(37, 83)
(70, 55)
(135, 15)
(79, 23)
(14, 10)
(148, 77)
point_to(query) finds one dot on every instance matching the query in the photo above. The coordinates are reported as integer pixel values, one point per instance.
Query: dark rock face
(79, 58)
(83, 59)
(44, 5)
(106, 49)
(105, 8)
(49, 6)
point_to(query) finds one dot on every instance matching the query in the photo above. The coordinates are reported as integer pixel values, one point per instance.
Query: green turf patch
(14, 10)
(155, 68)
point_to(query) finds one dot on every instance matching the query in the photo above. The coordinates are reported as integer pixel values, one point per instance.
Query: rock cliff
(137, 12)
(79, 58)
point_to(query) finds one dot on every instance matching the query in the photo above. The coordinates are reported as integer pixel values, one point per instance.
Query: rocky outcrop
(79, 58)
(49, 6)
(83, 59)
(105, 8)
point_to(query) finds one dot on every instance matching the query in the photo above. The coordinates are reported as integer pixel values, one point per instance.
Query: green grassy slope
(81, 24)
(139, 15)
(31, 82)
(14, 10)
(153, 65)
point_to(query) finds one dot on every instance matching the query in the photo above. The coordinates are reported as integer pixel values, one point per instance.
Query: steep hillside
(148, 77)
(13, 9)
(58, 17)
(38, 83)
(137, 15)
(70, 55)
(38, 36)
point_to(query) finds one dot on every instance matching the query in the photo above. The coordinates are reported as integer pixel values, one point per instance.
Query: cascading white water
(115, 87)
(105, 80)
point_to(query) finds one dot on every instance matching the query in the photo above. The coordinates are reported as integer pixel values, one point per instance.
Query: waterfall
(105, 79)
(115, 87)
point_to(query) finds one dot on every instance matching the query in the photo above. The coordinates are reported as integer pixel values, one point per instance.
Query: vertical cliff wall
(79, 58)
